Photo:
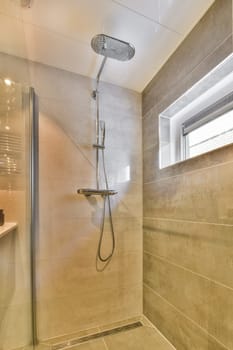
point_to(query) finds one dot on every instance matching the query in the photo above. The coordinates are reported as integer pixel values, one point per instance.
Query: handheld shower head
(108, 46)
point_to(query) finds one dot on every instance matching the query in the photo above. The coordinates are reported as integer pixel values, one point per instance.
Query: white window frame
(214, 111)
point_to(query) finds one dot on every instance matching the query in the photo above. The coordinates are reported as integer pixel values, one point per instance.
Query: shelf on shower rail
(95, 192)
(7, 228)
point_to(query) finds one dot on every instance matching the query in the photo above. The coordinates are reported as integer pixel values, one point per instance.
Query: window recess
(201, 120)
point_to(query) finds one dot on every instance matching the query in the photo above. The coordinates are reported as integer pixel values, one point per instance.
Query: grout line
(152, 145)
(76, 144)
(187, 317)
(185, 79)
(189, 172)
(160, 333)
(145, 321)
(159, 104)
(188, 270)
(187, 221)
(211, 53)
(151, 113)
(105, 345)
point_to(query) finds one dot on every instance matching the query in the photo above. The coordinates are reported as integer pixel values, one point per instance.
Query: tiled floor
(145, 337)
(142, 338)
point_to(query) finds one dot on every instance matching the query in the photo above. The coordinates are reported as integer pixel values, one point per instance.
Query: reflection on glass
(7, 81)
(15, 271)
(11, 128)
(124, 175)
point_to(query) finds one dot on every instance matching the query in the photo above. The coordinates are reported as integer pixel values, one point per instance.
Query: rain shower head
(111, 47)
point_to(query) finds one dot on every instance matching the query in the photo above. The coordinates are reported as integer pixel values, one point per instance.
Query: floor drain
(87, 338)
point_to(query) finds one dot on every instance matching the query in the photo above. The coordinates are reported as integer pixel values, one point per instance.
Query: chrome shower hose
(106, 198)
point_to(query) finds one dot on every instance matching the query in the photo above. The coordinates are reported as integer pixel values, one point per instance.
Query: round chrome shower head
(111, 47)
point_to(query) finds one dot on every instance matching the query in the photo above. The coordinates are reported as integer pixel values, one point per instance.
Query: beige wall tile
(208, 303)
(62, 277)
(188, 207)
(150, 164)
(77, 312)
(124, 102)
(15, 330)
(204, 67)
(206, 248)
(181, 331)
(204, 195)
(153, 173)
(198, 44)
(150, 129)
(68, 284)
(82, 232)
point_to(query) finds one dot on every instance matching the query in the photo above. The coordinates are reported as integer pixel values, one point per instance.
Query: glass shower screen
(16, 200)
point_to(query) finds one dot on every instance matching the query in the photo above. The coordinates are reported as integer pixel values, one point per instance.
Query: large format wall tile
(188, 210)
(60, 277)
(72, 294)
(204, 195)
(206, 64)
(206, 302)
(150, 129)
(182, 332)
(15, 326)
(152, 172)
(206, 248)
(200, 43)
(88, 308)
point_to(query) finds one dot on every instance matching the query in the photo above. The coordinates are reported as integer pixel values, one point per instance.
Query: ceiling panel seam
(148, 18)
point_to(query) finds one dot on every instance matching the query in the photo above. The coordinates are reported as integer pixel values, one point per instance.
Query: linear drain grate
(70, 343)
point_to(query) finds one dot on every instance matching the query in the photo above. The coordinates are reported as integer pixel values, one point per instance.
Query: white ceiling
(58, 33)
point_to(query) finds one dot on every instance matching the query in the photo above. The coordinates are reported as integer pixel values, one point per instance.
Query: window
(201, 120)
(209, 130)
(212, 135)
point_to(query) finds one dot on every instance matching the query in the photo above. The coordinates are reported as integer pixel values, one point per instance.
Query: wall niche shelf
(7, 228)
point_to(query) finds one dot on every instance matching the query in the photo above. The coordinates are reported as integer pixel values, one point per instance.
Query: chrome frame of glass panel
(33, 135)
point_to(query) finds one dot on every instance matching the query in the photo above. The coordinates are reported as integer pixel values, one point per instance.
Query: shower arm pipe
(100, 72)
(96, 96)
